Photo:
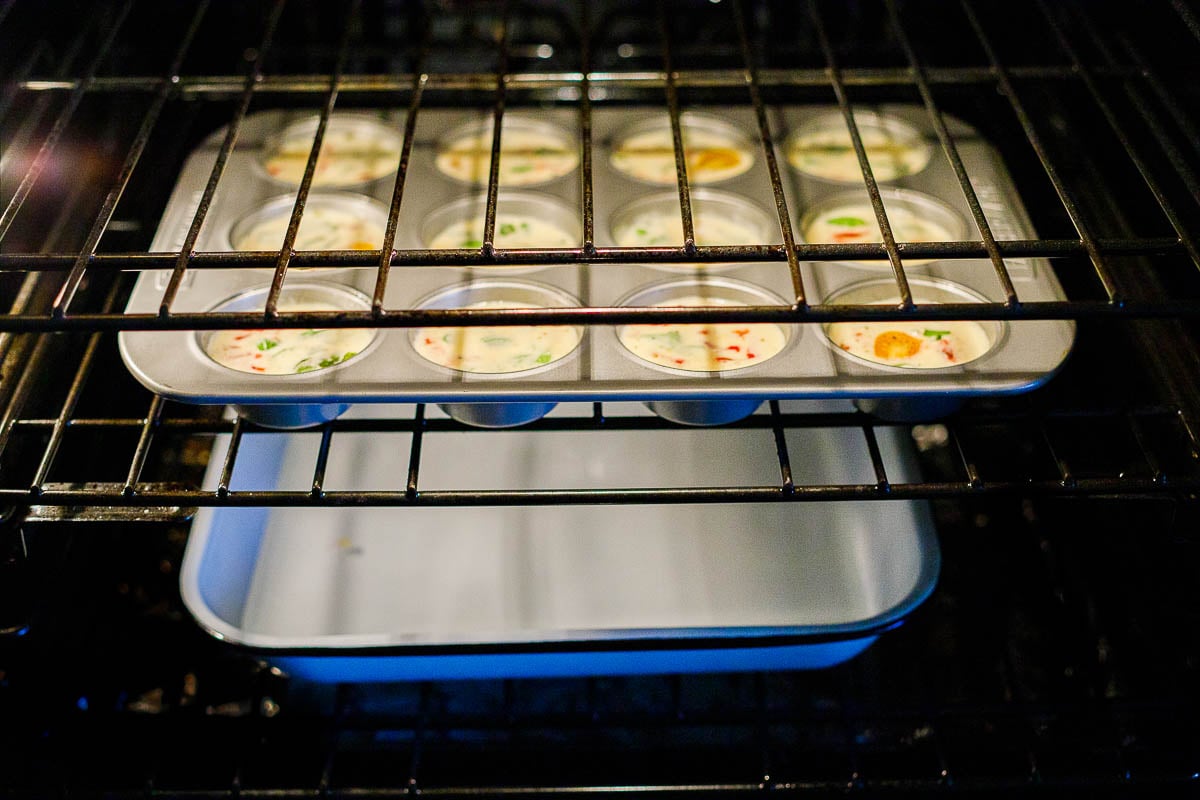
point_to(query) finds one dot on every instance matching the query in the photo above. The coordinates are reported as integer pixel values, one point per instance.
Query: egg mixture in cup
(912, 346)
(718, 218)
(331, 221)
(706, 348)
(497, 351)
(714, 150)
(532, 152)
(524, 220)
(303, 358)
(849, 218)
(357, 151)
(821, 148)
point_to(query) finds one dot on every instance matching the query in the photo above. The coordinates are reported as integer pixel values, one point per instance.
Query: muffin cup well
(519, 172)
(925, 291)
(900, 204)
(528, 295)
(890, 137)
(718, 218)
(276, 212)
(314, 294)
(732, 292)
(513, 209)
(370, 130)
(658, 145)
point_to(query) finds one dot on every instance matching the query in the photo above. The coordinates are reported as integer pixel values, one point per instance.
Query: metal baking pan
(171, 364)
(369, 594)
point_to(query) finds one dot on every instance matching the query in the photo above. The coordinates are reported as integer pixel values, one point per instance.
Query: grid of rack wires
(1134, 266)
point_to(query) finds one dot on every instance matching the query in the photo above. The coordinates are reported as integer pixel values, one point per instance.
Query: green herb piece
(329, 362)
(642, 231)
(311, 332)
(507, 228)
(267, 344)
(300, 369)
(472, 244)
(672, 338)
(447, 337)
(937, 334)
(347, 356)
(522, 168)
(524, 226)
(848, 222)
(495, 340)
(544, 358)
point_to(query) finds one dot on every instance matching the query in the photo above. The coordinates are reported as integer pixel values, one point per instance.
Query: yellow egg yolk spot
(896, 345)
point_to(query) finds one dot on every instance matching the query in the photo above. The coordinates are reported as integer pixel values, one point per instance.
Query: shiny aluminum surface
(1031, 352)
(358, 594)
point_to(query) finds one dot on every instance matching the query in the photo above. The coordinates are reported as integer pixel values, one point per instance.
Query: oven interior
(1059, 651)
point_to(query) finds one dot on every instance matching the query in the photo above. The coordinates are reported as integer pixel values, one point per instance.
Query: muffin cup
(365, 127)
(529, 295)
(512, 124)
(926, 291)
(754, 226)
(509, 204)
(689, 122)
(292, 415)
(279, 209)
(704, 412)
(917, 204)
(871, 126)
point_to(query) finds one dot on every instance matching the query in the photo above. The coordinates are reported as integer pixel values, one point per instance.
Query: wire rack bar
(1122, 135)
(764, 132)
(488, 247)
(860, 152)
(284, 256)
(673, 112)
(71, 285)
(599, 315)
(920, 77)
(220, 86)
(180, 262)
(46, 151)
(1154, 122)
(1065, 196)
(410, 128)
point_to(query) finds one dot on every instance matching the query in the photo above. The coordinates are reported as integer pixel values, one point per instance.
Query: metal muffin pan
(1031, 352)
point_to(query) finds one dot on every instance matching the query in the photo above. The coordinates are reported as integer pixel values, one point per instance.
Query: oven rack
(1120, 276)
(1120, 294)
(1043, 689)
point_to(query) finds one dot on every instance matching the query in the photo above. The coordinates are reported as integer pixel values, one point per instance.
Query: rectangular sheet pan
(413, 593)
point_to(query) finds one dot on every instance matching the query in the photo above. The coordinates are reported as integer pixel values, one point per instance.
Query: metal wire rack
(1117, 267)
(1059, 654)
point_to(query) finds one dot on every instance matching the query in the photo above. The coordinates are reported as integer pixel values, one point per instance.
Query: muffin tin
(601, 369)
